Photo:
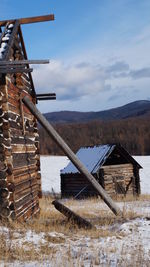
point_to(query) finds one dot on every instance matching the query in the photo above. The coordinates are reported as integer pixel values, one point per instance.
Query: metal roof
(94, 157)
(91, 157)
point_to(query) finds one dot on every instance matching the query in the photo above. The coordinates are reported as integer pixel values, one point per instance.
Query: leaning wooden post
(56, 137)
(71, 215)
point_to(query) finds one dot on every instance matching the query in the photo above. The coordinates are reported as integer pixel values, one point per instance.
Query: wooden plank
(24, 170)
(20, 148)
(46, 98)
(13, 63)
(29, 20)
(25, 177)
(27, 213)
(25, 140)
(25, 76)
(118, 166)
(26, 191)
(15, 70)
(26, 196)
(48, 94)
(25, 205)
(25, 56)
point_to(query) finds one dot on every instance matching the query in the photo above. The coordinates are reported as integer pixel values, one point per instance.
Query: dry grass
(132, 198)
(51, 221)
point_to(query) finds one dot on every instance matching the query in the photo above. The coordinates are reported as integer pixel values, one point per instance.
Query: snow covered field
(51, 166)
(50, 170)
(144, 161)
(115, 243)
(50, 241)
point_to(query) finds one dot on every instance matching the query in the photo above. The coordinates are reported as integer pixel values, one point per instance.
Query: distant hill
(128, 125)
(134, 109)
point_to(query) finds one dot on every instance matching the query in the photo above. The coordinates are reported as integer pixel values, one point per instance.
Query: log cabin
(20, 178)
(111, 165)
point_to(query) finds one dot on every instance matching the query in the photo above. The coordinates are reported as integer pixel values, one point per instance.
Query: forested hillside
(134, 109)
(133, 134)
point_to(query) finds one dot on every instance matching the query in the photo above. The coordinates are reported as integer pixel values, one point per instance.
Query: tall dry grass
(50, 220)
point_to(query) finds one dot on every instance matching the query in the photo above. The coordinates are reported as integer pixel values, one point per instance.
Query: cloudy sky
(98, 50)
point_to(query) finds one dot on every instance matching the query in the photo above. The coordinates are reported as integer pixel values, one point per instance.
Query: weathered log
(3, 183)
(21, 148)
(25, 170)
(15, 70)
(72, 216)
(5, 212)
(27, 212)
(20, 194)
(51, 131)
(25, 185)
(2, 176)
(29, 20)
(4, 193)
(23, 178)
(4, 202)
(30, 197)
(23, 62)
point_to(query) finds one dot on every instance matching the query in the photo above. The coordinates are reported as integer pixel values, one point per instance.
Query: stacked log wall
(73, 183)
(20, 179)
(119, 174)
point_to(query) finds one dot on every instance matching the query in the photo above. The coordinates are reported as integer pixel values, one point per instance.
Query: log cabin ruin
(20, 178)
(111, 165)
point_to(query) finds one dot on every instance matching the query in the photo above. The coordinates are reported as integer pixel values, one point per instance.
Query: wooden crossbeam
(23, 62)
(29, 20)
(50, 96)
(15, 70)
(46, 98)
(44, 95)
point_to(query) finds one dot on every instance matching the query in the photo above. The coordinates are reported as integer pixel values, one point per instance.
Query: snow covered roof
(94, 157)
(91, 157)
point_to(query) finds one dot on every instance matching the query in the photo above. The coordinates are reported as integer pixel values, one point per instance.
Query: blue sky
(99, 50)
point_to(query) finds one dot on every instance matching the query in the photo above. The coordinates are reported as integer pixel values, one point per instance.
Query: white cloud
(85, 86)
(71, 81)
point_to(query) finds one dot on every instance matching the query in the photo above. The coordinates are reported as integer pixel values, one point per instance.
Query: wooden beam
(72, 216)
(23, 62)
(25, 55)
(46, 98)
(15, 70)
(68, 152)
(29, 20)
(44, 95)
(50, 96)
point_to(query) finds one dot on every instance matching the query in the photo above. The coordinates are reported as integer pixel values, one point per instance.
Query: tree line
(133, 134)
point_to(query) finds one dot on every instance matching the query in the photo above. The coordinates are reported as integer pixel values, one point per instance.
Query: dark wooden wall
(72, 184)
